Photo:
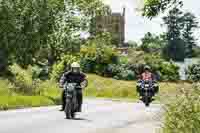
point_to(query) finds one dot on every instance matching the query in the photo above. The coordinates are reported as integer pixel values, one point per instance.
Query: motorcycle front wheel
(68, 109)
(147, 101)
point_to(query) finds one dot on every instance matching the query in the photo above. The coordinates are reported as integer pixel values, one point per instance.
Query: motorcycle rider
(147, 75)
(75, 76)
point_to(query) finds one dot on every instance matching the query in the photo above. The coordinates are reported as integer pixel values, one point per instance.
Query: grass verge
(13, 102)
(101, 87)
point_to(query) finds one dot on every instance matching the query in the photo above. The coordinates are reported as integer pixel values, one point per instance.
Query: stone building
(114, 24)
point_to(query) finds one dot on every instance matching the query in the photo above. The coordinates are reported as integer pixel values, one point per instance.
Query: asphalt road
(98, 116)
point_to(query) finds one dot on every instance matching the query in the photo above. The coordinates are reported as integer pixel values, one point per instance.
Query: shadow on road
(81, 119)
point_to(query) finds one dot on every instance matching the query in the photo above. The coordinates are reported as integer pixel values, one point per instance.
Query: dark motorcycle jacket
(71, 77)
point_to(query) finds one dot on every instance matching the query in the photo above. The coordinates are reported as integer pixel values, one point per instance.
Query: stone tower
(113, 23)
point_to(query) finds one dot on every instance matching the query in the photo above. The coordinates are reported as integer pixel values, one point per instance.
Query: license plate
(68, 95)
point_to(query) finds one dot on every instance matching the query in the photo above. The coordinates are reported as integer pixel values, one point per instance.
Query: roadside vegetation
(40, 39)
(182, 112)
(44, 93)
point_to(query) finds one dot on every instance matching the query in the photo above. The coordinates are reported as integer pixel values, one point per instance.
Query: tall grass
(5, 87)
(183, 113)
(13, 102)
(110, 88)
(24, 91)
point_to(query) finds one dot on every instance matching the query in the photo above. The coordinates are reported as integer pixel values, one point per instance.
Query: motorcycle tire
(68, 109)
(147, 101)
(73, 115)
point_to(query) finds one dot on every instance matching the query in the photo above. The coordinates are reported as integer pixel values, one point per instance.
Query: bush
(63, 65)
(48, 88)
(193, 73)
(5, 87)
(23, 80)
(168, 71)
(126, 75)
(97, 58)
(182, 114)
(120, 72)
(113, 69)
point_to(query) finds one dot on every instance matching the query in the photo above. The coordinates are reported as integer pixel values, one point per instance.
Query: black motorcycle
(147, 90)
(71, 106)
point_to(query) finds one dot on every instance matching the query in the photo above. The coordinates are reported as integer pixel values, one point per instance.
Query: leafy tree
(132, 44)
(152, 8)
(76, 18)
(180, 28)
(152, 43)
(23, 29)
(193, 72)
(190, 24)
(175, 48)
(33, 31)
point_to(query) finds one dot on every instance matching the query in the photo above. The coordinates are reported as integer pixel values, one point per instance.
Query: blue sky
(137, 26)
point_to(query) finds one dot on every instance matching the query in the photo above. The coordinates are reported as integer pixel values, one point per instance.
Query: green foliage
(182, 113)
(153, 8)
(196, 51)
(23, 29)
(132, 44)
(181, 41)
(123, 60)
(23, 80)
(120, 72)
(13, 102)
(190, 24)
(63, 65)
(95, 56)
(126, 75)
(110, 88)
(175, 50)
(49, 88)
(166, 71)
(162, 69)
(193, 73)
(41, 30)
(5, 87)
(152, 43)
(169, 71)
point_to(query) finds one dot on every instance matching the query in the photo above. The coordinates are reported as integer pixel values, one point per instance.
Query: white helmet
(75, 65)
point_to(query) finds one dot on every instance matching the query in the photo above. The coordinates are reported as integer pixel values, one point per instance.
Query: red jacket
(147, 76)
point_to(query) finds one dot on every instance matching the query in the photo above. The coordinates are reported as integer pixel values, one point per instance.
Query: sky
(136, 25)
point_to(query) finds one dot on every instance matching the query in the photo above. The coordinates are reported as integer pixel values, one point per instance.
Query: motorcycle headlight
(146, 85)
(70, 87)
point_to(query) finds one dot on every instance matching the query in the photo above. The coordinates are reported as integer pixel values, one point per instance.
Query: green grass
(182, 114)
(49, 95)
(111, 88)
(13, 102)
(48, 92)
